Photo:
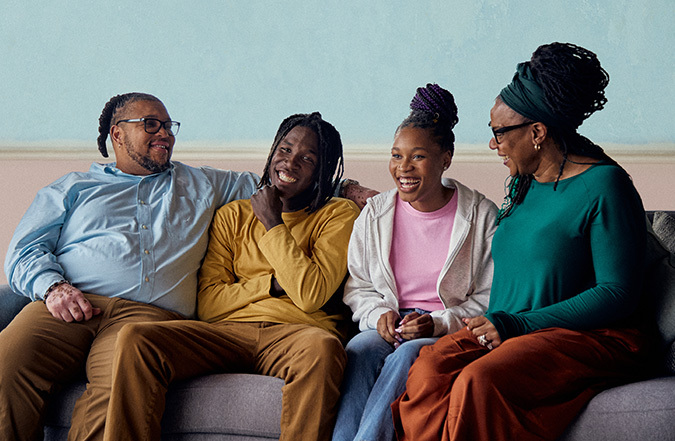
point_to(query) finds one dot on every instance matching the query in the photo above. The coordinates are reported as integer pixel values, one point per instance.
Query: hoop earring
(537, 147)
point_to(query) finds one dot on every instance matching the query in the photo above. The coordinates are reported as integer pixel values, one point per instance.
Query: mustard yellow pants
(150, 356)
(39, 352)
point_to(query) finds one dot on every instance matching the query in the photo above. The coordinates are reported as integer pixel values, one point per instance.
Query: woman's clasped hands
(395, 330)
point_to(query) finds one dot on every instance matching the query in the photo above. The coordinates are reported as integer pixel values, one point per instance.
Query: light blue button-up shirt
(109, 233)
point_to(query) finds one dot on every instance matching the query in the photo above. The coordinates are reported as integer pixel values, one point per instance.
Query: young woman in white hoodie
(419, 263)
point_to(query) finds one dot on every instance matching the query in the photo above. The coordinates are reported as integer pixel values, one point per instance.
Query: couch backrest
(10, 305)
(650, 214)
(660, 282)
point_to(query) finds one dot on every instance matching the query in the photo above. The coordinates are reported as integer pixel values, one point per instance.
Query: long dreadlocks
(330, 168)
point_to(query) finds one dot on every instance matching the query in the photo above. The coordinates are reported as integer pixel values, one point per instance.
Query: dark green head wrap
(526, 97)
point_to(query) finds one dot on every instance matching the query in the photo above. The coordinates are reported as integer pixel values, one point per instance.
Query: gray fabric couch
(230, 407)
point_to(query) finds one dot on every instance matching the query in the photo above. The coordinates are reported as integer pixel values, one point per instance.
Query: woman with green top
(563, 321)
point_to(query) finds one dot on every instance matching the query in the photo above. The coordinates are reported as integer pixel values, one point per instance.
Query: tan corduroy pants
(38, 352)
(310, 360)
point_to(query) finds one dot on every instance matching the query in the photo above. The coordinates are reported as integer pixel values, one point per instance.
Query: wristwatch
(52, 287)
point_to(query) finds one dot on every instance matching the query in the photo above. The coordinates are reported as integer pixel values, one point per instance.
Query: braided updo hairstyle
(330, 167)
(434, 108)
(109, 114)
(572, 79)
(574, 87)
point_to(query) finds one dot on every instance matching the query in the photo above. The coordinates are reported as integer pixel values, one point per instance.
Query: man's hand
(415, 325)
(67, 303)
(484, 330)
(386, 327)
(267, 206)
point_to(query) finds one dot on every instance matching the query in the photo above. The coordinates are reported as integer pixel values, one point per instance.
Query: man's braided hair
(110, 111)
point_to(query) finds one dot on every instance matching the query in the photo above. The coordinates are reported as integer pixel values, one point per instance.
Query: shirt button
(144, 227)
(141, 202)
(147, 279)
(146, 252)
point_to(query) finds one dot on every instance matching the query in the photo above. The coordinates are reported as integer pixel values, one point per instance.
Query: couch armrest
(10, 305)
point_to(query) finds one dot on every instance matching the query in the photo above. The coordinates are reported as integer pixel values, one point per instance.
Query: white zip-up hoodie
(464, 283)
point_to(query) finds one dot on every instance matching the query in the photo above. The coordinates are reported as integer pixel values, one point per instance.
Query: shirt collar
(111, 169)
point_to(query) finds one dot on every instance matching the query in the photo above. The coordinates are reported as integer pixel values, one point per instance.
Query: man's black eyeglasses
(502, 130)
(153, 125)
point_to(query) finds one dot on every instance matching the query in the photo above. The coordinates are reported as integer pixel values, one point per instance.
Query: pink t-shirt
(419, 248)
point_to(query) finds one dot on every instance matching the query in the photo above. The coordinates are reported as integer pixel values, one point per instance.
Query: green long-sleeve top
(570, 258)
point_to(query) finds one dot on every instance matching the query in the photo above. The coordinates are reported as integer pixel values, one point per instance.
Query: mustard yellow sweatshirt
(307, 254)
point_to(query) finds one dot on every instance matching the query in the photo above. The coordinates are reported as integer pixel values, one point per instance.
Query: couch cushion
(636, 411)
(251, 403)
(60, 410)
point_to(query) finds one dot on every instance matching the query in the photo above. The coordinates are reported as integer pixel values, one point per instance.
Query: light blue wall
(231, 70)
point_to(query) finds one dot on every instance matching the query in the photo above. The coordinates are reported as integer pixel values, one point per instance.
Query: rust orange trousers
(529, 388)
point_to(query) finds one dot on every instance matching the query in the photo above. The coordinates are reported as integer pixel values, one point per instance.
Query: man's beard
(146, 162)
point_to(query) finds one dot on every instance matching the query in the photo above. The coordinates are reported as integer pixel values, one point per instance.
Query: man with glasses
(118, 244)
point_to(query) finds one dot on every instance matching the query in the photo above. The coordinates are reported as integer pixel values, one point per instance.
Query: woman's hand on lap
(482, 327)
(386, 327)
